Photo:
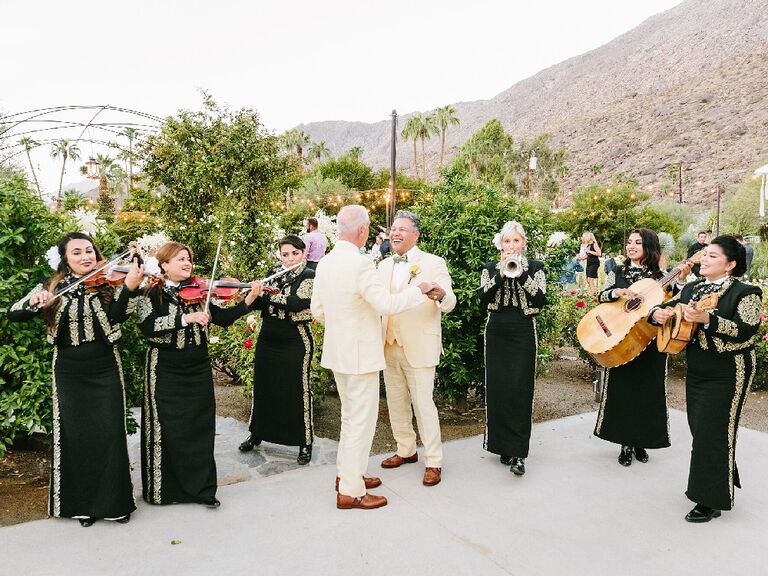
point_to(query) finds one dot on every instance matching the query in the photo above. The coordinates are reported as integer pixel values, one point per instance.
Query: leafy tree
(459, 220)
(66, 151)
(28, 144)
(446, 116)
(604, 210)
(73, 199)
(105, 202)
(128, 155)
(295, 140)
(356, 153)
(349, 170)
(27, 230)
(221, 171)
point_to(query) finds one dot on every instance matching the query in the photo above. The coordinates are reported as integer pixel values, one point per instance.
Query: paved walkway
(576, 511)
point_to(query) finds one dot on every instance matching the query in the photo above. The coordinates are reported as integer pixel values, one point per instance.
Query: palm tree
(318, 150)
(106, 168)
(427, 129)
(28, 144)
(131, 134)
(411, 132)
(67, 151)
(295, 139)
(356, 152)
(446, 116)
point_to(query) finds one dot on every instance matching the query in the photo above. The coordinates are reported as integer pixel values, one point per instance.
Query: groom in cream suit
(349, 298)
(412, 347)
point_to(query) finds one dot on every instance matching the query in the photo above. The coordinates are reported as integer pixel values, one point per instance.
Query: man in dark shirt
(701, 242)
(750, 253)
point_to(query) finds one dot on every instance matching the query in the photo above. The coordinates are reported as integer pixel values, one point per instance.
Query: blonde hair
(509, 228)
(590, 237)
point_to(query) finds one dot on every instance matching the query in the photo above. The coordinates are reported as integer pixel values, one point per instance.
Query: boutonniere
(414, 270)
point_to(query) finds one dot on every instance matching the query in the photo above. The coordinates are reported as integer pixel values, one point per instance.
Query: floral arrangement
(150, 243)
(88, 221)
(413, 271)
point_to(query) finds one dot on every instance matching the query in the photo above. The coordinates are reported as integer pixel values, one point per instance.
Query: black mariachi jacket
(293, 301)
(160, 312)
(528, 292)
(82, 315)
(624, 277)
(734, 323)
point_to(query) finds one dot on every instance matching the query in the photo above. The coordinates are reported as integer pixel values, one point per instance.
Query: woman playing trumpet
(90, 471)
(179, 412)
(513, 291)
(719, 371)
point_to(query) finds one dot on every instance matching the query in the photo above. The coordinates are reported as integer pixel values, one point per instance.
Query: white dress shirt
(401, 270)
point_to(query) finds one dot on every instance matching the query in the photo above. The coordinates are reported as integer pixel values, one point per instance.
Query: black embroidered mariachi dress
(721, 367)
(633, 411)
(510, 355)
(282, 398)
(179, 411)
(90, 471)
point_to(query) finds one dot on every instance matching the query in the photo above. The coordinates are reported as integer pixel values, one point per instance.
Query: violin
(115, 276)
(224, 289)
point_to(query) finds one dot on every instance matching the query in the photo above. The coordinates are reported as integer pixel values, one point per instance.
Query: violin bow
(213, 275)
(82, 279)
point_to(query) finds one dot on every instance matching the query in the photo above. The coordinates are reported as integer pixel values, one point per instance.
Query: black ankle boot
(87, 522)
(641, 455)
(518, 466)
(506, 460)
(625, 456)
(305, 454)
(701, 513)
(249, 443)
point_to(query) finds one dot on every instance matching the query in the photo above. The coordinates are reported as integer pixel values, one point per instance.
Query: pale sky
(294, 62)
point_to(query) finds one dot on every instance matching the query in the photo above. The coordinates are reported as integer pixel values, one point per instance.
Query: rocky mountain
(688, 85)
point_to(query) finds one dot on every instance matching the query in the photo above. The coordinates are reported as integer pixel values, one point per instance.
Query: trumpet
(512, 266)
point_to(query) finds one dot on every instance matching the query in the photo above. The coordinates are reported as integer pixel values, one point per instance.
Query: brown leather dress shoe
(370, 482)
(432, 476)
(367, 502)
(396, 461)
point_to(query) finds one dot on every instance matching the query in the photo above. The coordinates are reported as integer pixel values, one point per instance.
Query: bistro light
(92, 169)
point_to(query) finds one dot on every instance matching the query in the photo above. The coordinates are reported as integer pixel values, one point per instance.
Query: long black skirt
(716, 388)
(282, 399)
(633, 411)
(510, 373)
(90, 471)
(178, 427)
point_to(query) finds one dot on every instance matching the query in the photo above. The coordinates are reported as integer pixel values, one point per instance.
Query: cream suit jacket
(420, 330)
(349, 298)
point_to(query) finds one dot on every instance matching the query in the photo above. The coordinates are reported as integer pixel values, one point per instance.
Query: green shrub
(27, 230)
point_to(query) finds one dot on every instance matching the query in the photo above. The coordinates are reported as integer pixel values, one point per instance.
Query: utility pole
(392, 172)
(717, 223)
(680, 180)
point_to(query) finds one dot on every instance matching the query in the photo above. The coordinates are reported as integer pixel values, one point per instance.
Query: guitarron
(615, 333)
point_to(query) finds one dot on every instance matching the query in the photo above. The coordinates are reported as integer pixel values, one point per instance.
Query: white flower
(213, 340)
(88, 221)
(52, 255)
(152, 266)
(497, 241)
(556, 238)
(149, 243)
(251, 320)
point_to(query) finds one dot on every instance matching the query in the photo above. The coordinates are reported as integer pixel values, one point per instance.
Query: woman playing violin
(282, 398)
(720, 368)
(179, 411)
(90, 471)
(633, 410)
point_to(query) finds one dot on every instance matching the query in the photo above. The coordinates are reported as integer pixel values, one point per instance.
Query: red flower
(248, 343)
(573, 292)
(580, 304)
(248, 329)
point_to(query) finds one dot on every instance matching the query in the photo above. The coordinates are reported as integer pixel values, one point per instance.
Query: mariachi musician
(633, 410)
(720, 369)
(179, 411)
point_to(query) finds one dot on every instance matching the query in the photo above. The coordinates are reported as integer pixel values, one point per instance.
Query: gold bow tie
(397, 258)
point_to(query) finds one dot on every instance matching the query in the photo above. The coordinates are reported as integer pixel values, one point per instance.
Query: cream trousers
(359, 395)
(408, 386)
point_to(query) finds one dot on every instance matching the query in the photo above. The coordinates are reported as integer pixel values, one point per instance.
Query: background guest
(316, 243)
